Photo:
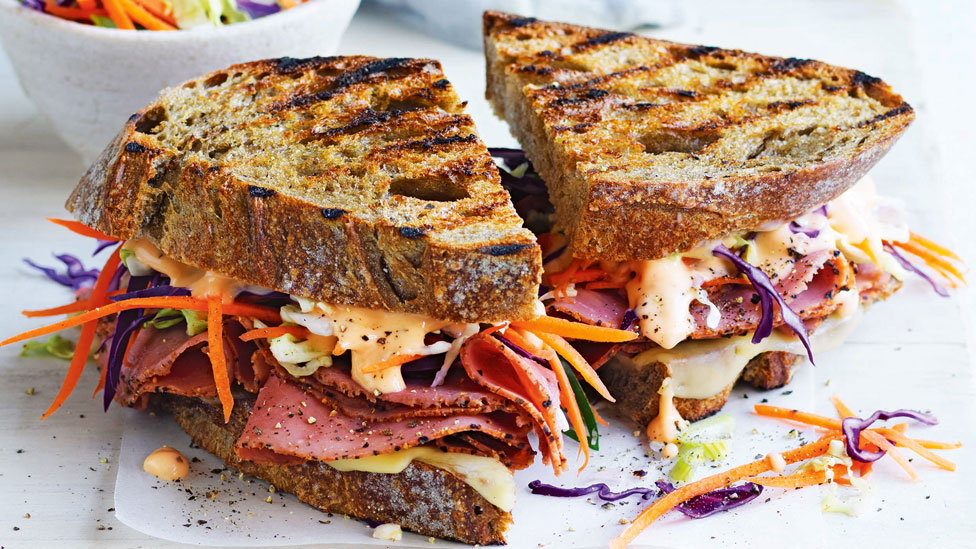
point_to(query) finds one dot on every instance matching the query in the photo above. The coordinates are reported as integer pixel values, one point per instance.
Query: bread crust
(643, 160)
(421, 499)
(350, 180)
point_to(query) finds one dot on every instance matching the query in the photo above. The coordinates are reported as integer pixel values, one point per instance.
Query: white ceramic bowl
(88, 80)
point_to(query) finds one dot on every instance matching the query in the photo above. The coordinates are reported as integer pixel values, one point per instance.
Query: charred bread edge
(421, 499)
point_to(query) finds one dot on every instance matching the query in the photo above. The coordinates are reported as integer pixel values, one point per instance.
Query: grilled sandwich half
(713, 199)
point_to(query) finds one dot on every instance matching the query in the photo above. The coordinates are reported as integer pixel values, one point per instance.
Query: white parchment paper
(896, 358)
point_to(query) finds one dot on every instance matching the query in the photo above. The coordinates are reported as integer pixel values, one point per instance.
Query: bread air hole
(432, 190)
(215, 80)
(669, 140)
(149, 122)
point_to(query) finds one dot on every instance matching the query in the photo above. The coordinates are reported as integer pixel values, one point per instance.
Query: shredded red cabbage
(125, 324)
(852, 427)
(715, 501)
(34, 4)
(423, 364)
(629, 320)
(75, 276)
(767, 296)
(600, 489)
(908, 265)
(697, 507)
(519, 350)
(796, 228)
(102, 244)
(258, 9)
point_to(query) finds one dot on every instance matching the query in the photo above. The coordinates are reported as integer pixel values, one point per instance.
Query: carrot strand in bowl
(143, 17)
(87, 4)
(117, 14)
(75, 14)
(158, 8)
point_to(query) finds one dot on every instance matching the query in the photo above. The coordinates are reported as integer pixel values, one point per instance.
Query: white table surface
(61, 472)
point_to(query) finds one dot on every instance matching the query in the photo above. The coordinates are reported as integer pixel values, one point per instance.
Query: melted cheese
(201, 283)
(703, 368)
(486, 475)
(372, 336)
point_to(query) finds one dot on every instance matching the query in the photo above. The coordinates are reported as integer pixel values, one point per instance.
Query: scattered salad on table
(159, 15)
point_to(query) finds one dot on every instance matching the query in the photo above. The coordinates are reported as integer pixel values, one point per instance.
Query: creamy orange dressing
(373, 336)
(200, 282)
(664, 426)
(166, 463)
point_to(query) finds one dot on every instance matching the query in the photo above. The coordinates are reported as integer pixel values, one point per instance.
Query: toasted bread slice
(351, 180)
(422, 498)
(651, 147)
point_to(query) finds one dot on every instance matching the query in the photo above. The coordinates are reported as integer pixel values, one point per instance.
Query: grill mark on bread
(390, 68)
(770, 126)
(260, 192)
(505, 249)
(208, 146)
(601, 40)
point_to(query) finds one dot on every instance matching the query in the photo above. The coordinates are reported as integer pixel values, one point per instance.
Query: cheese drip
(703, 368)
(486, 475)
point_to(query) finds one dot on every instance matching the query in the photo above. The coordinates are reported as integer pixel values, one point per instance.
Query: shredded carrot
(160, 9)
(599, 419)
(565, 350)
(215, 343)
(936, 445)
(796, 480)
(494, 329)
(128, 347)
(117, 13)
(714, 482)
(518, 338)
(288, 4)
(937, 262)
(87, 4)
(395, 360)
(900, 427)
(73, 307)
(83, 347)
(300, 332)
(842, 409)
(882, 443)
(912, 444)
(604, 285)
(82, 229)
(934, 246)
(568, 399)
(75, 14)
(798, 416)
(575, 330)
(165, 302)
(143, 17)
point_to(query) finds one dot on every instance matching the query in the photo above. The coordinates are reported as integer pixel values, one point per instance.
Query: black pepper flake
(754, 299)
(547, 403)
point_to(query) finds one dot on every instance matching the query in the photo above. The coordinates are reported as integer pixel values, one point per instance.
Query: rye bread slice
(421, 499)
(351, 180)
(651, 147)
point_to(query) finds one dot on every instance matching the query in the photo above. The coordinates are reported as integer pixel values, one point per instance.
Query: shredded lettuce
(706, 440)
(690, 456)
(102, 21)
(55, 346)
(196, 322)
(300, 357)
